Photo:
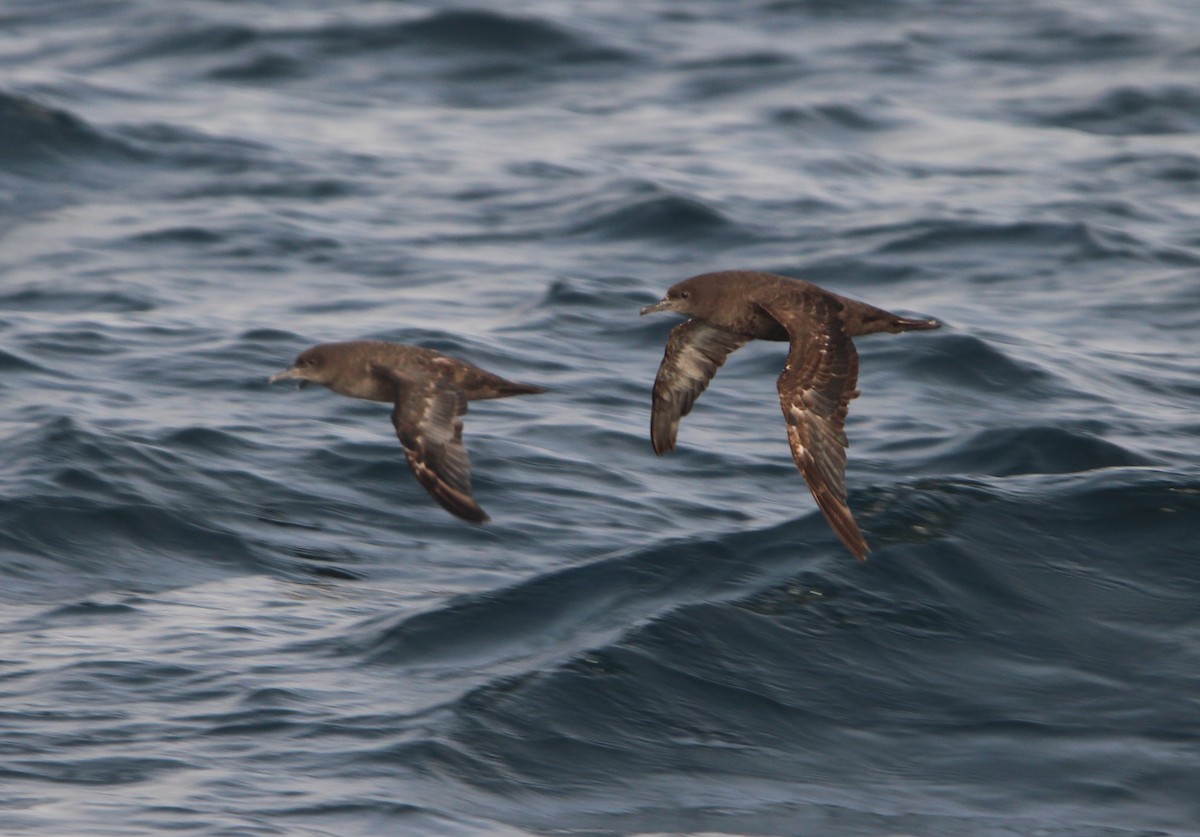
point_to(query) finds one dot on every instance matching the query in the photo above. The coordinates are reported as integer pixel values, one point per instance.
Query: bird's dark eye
(684, 294)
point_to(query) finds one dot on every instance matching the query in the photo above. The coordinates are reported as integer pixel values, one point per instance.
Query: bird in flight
(730, 308)
(429, 391)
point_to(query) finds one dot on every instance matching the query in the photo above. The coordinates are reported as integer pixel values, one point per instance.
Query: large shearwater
(430, 392)
(729, 309)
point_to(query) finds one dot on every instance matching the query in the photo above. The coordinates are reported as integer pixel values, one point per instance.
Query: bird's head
(311, 365)
(693, 297)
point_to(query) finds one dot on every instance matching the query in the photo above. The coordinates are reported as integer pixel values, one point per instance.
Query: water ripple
(231, 609)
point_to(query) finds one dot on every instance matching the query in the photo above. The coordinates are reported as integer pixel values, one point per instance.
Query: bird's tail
(518, 388)
(861, 318)
(493, 386)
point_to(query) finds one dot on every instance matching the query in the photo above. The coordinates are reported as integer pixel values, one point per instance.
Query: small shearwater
(729, 309)
(430, 392)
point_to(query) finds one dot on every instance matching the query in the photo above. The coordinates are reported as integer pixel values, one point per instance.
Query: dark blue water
(229, 609)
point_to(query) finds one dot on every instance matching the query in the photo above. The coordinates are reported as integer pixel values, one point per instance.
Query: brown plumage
(430, 392)
(729, 309)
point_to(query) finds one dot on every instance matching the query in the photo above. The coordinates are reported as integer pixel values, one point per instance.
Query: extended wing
(695, 351)
(815, 389)
(428, 421)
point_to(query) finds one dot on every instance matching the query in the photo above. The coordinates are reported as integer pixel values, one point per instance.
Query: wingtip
(841, 520)
(663, 433)
(852, 538)
(469, 514)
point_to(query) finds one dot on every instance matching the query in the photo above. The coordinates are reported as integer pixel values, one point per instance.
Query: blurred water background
(229, 609)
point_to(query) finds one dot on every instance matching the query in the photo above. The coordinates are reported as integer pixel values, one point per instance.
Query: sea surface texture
(228, 608)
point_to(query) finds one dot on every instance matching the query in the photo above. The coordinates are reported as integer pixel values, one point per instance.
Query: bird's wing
(428, 423)
(695, 351)
(815, 389)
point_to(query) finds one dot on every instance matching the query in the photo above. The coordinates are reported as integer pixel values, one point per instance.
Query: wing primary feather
(428, 421)
(815, 389)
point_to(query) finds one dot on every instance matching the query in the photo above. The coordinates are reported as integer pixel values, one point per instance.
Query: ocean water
(227, 608)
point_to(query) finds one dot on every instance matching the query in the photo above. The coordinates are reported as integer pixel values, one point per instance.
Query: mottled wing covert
(815, 389)
(428, 422)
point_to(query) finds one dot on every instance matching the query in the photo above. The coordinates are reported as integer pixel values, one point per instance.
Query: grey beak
(663, 304)
(285, 375)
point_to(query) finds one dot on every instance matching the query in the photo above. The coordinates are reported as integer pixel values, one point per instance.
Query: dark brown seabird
(430, 392)
(729, 309)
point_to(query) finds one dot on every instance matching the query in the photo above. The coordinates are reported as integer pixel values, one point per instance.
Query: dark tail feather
(861, 318)
(525, 389)
(503, 389)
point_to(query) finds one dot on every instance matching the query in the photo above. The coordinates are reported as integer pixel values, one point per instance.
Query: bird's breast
(368, 387)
